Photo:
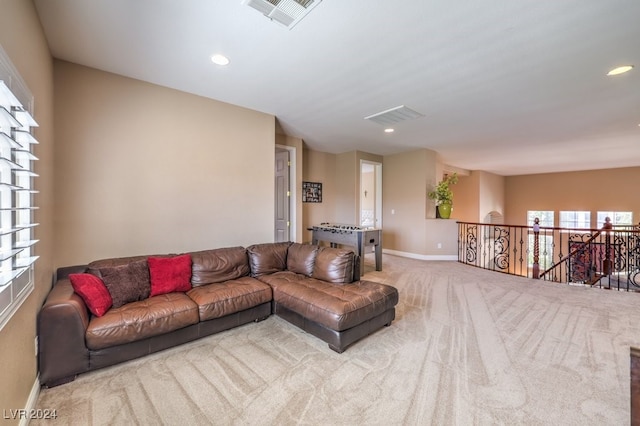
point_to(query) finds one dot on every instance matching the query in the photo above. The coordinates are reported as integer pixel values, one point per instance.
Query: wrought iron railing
(607, 257)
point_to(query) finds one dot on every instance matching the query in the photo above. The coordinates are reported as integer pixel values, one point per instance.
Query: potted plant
(443, 195)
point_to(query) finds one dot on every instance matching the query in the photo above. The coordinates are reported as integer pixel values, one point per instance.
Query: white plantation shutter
(16, 191)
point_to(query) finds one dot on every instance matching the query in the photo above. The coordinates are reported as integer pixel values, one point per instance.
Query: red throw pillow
(169, 274)
(93, 292)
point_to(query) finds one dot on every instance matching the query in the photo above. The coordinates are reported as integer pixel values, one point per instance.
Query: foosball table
(351, 235)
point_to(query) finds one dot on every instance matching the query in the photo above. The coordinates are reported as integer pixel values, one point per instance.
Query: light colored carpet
(468, 347)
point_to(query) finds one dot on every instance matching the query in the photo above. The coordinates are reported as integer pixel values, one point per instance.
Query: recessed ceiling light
(620, 70)
(220, 59)
(389, 130)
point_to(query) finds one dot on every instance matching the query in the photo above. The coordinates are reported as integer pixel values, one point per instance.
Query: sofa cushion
(222, 299)
(93, 292)
(267, 258)
(283, 277)
(140, 320)
(334, 265)
(128, 282)
(219, 265)
(169, 274)
(301, 258)
(336, 306)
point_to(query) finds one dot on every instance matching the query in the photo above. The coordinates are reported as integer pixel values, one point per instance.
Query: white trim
(6, 316)
(9, 74)
(31, 401)
(447, 257)
(377, 169)
(12, 80)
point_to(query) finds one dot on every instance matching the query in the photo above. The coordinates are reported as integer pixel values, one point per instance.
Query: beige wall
(347, 188)
(440, 239)
(405, 179)
(22, 38)
(491, 195)
(466, 198)
(476, 195)
(145, 169)
(319, 167)
(609, 190)
(340, 178)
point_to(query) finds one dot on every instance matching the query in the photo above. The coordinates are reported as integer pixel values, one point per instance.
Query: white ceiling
(509, 87)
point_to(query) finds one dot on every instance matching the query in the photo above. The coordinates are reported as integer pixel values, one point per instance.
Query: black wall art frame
(311, 192)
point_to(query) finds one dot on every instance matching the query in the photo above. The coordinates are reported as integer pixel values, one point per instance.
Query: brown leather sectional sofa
(316, 288)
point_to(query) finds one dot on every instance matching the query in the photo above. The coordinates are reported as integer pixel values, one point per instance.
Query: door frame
(293, 190)
(377, 171)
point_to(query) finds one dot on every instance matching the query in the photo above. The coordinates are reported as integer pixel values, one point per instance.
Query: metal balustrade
(608, 257)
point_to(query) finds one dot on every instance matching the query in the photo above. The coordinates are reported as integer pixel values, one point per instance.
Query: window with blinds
(16, 201)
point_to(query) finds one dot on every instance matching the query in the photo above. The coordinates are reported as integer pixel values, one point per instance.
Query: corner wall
(491, 195)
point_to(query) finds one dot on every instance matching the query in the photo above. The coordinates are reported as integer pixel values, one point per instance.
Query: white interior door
(282, 195)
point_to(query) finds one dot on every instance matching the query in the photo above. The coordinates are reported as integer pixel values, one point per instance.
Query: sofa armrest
(62, 324)
(66, 270)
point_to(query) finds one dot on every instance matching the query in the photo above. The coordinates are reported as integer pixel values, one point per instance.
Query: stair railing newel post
(536, 248)
(607, 265)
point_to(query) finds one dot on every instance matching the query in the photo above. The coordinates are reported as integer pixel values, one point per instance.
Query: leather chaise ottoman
(339, 314)
(316, 291)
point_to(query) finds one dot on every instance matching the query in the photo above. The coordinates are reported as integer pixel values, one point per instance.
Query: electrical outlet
(35, 344)
(439, 245)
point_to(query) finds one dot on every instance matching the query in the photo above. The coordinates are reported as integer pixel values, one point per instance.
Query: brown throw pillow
(127, 283)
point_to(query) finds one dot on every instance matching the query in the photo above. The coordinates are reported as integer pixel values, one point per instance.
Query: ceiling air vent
(284, 12)
(394, 115)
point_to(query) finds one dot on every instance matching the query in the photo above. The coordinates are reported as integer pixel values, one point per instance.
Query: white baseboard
(421, 256)
(32, 401)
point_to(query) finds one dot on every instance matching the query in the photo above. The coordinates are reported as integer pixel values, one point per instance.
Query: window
(546, 237)
(617, 218)
(575, 219)
(545, 217)
(16, 191)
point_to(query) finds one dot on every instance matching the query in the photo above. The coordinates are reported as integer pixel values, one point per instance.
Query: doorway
(282, 222)
(370, 194)
(285, 194)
